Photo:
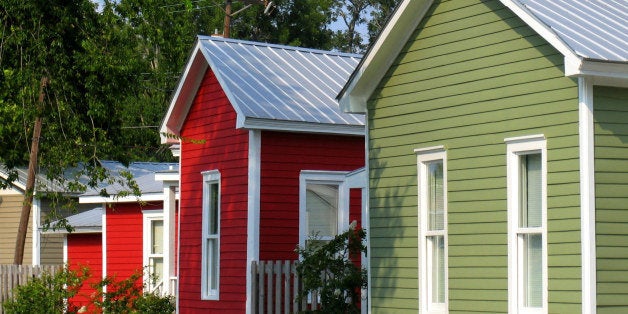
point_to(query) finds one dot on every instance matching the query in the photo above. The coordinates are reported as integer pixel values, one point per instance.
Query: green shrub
(330, 268)
(150, 303)
(47, 294)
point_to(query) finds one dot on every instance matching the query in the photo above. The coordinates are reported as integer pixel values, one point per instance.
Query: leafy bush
(49, 294)
(330, 268)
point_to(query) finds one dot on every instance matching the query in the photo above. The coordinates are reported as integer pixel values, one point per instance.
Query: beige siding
(472, 75)
(10, 210)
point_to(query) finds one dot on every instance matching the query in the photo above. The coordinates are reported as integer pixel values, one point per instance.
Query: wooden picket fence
(12, 276)
(276, 287)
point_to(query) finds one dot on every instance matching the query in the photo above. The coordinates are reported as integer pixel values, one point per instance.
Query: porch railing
(276, 288)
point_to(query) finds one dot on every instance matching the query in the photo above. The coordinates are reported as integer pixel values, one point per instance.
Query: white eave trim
(97, 199)
(170, 177)
(380, 57)
(302, 127)
(184, 95)
(77, 230)
(600, 72)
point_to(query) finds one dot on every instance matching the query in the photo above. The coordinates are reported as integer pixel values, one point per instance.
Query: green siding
(471, 75)
(611, 191)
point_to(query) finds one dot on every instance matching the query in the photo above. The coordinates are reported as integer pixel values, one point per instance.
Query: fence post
(260, 275)
(286, 286)
(254, 290)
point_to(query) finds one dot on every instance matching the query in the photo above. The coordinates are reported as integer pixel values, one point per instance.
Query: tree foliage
(113, 70)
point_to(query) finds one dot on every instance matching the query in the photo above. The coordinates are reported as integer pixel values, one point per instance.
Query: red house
(265, 162)
(127, 234)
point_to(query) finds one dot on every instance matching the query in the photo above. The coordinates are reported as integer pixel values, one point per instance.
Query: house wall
(124, 243)
(283, 156)
(471, 75)
(10, 211)
(51, 244)
(211, 118)
(611, 191)
(85, 250)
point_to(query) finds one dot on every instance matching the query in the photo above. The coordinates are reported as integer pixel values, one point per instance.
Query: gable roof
(144, 174)
(592, 35)
(270, 86)
(592, 29)
(86, 222)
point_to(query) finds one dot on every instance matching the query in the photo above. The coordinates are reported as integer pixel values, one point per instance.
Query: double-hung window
(153, 231)
(210, 263)
(527, 224)
(432, 184)
(323, 206)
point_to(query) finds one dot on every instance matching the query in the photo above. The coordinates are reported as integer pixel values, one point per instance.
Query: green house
(497, 157)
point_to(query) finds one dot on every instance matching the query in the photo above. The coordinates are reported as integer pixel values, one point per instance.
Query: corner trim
(253, 209)
(587, 195)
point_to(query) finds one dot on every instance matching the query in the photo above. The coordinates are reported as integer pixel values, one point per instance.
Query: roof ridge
(279, 46)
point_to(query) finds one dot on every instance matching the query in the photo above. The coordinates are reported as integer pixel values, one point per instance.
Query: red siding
(85, 250)
(284, 155)
(125, 238)
(212, 118)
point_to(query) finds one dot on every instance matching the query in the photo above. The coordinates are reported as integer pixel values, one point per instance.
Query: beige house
(40, 248)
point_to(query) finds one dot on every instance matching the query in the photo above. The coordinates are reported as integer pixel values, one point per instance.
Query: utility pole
(29, 190)
(226, 33)
(227, 27)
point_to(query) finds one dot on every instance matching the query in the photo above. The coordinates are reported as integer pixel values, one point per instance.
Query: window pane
(212, 266)
(435, 195)
(533, 276)
(157, 268)
(437, 271)
(157, 238)
(322, 210)
(530, 191)
(213, 209)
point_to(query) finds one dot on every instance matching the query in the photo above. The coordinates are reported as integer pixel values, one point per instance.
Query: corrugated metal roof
(143, 173)
(87, 221)
(593, 29)
(266, 81)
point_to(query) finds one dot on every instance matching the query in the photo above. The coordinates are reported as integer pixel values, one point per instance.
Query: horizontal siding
(212, 119)
(471, 75)
(85, 250)
(10, 211)
(283, 157)
(51, 249)
(611, 190)
(125, 238)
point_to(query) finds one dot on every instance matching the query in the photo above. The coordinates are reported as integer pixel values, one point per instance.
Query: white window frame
(517, 147)
(209, 178)
(148, 216)
(323, 177)
(425, 156)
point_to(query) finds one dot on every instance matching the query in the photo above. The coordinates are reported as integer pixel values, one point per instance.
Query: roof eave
(183, 96)
(77, 230)
(97, 199)
(302, 127)
(601, 72)
(381, 55)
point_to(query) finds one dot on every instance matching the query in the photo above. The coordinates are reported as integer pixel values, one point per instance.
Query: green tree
(382, 10)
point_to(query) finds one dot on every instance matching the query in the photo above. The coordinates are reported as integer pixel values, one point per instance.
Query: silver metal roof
(593, 29)
(274, 82)
(143, 174)
(87, 221)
